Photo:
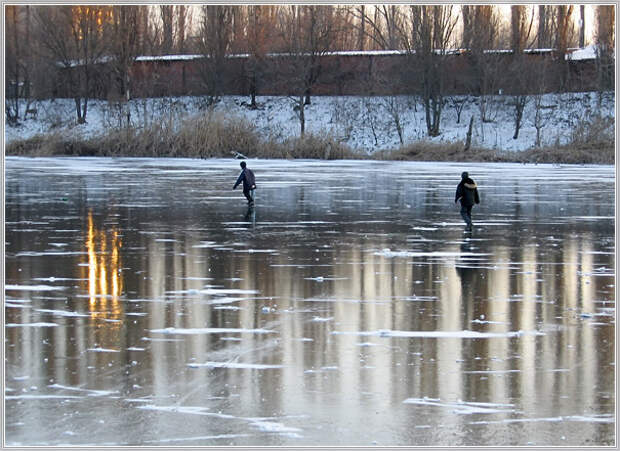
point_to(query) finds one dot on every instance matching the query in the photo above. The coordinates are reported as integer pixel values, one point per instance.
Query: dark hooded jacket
(467, 192)
(248, 179)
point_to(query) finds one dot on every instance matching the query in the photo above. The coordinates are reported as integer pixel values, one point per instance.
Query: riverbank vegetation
(215, 135)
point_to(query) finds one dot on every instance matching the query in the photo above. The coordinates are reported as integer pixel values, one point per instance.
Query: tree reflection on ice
(348, 308)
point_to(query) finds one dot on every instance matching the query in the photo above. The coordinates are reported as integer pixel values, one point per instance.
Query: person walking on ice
(467, 193)
(249, 183)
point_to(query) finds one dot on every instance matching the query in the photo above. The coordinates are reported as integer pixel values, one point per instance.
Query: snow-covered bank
(364, 123)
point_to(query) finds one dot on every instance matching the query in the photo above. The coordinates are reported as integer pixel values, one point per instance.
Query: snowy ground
(146, 305)
(366, 124)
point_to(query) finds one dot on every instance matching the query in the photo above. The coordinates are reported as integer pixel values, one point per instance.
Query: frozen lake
(145, 305)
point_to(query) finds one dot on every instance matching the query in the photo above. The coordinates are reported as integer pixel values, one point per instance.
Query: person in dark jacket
(249, 183)
(467, 193)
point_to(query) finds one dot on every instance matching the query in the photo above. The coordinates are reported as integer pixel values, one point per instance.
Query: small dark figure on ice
(249, 183)
(467, 193)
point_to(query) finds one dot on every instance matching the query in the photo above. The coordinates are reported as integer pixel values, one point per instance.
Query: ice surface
(209, 330)
(63, 313)
(11, 287)
(31, 397)
(463, 407)
(84, 390)
(389, 253)
(439, 334)
(368, 292)
(41, 324)
(234, 365)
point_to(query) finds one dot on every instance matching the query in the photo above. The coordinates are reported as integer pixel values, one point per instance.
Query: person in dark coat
(467, 193)
(249, 183)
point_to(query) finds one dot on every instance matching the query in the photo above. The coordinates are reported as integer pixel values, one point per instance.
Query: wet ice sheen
(349, 307)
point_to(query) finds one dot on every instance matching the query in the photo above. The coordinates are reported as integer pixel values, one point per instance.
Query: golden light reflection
(105, 282)
(98, 16)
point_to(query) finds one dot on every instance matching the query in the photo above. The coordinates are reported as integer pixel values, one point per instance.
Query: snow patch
(439, 334)
(212, 330)
(235, 365)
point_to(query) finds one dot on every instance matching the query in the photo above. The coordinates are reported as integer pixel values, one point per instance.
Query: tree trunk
(28, 62)
(543, 38)
(17, 58)
(427, 114)
(78, 110)
(582, 26)
(302, 117)
(519, 105)
(362, 31)
(469, 131)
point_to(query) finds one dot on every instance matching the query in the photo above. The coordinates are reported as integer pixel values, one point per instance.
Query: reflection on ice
(464, 408)
(469, 334)
(11, 287)
(30, 325)
(234, 365)
(199, 331)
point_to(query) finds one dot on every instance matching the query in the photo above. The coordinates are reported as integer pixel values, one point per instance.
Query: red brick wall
(358, 74)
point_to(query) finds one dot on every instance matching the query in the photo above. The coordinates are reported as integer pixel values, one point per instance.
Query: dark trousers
(249, 195)
(466, 214)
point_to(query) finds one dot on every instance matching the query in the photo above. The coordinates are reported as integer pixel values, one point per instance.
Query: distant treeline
(86, 51)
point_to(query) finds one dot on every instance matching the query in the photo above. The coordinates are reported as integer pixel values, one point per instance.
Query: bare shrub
(425, 151)
(213, 134)
(593, 132)
(318, 147)
(50, 145)
(568, 155)
(345, 114)
(56, 115)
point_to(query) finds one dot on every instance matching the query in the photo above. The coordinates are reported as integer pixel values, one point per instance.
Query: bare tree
(238, 33)
(564, 28)
(259, 28)
(426, 40)
(20, 61)
(361, 36)
(214, 44)
(395, 108)
(183, 17)
(382, 25)
(564, 36)
(88, 27)
(521, 38)
(13, 62)
(605, 43)
(480, 34)
(124, 42)
(147, 31)
(166, 14)
(124, 45)
(520, 29)
(307, 33)
(518, 91)
(74, 37)
(539, 84)
(544, 27)
(458, 103)
(582, 26)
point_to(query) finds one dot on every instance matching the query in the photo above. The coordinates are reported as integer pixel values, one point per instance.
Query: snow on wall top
(578, 54)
